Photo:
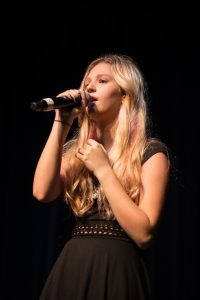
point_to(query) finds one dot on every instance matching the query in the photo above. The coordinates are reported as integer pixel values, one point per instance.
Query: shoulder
(152, 147)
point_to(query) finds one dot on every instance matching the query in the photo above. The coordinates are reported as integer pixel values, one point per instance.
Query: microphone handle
(48, 104)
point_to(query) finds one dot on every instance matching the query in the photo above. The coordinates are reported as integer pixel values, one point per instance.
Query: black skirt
(100, 268)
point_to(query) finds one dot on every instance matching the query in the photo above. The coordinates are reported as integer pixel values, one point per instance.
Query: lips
(92, 106)
(92, 99)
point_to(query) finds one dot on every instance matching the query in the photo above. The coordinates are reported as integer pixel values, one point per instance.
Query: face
(106, 96)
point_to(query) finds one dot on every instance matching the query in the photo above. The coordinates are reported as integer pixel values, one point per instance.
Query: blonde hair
(128, 146)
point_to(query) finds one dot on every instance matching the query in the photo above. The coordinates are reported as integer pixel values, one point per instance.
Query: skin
(139, 221)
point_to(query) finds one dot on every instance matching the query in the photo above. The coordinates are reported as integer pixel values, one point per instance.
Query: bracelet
(63, 122)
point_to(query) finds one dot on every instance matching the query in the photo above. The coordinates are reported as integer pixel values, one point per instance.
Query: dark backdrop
(44, 52)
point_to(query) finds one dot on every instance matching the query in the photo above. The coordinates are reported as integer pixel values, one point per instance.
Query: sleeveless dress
(99, 261)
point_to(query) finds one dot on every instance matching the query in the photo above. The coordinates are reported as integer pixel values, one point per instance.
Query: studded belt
(99, 228)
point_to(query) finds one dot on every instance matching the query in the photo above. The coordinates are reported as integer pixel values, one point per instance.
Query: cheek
(113, 104)
(115, 98)
(116, 94)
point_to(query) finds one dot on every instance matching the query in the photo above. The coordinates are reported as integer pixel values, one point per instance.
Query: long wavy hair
(129, 144)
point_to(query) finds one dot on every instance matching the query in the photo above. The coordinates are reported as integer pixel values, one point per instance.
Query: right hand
(70, 114)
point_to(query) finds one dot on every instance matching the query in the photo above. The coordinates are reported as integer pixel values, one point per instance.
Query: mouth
(91, 108)
(92, 99)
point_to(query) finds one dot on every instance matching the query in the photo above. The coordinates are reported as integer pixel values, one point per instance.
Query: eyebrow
(99, 75)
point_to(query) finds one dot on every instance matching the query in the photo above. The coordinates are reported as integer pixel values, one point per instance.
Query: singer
(114, 177)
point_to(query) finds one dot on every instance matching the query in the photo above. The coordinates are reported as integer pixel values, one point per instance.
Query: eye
(86, 84)
(102, 80)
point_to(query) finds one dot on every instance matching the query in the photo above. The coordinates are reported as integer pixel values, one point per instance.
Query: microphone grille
(87, 97)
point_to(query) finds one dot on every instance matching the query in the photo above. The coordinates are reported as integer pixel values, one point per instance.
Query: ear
(123, 97)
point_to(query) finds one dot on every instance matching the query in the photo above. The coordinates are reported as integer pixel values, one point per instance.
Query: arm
(139, 221)
(50, 175)
(48, 183)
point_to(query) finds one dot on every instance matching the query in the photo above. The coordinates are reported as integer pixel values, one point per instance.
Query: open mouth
(92, 99)
(92, 106)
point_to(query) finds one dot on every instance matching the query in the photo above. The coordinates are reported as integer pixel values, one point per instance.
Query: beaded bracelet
(63, 122)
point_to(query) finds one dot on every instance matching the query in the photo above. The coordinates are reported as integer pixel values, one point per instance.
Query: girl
(113, 176)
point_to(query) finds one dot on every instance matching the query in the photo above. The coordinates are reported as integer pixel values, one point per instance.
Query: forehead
(100, 69)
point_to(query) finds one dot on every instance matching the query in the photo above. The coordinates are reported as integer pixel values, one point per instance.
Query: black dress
(99, 262)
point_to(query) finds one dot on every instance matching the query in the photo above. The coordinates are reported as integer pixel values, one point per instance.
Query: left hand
(93, 155)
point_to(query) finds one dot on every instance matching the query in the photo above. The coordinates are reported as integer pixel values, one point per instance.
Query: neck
(105, 133)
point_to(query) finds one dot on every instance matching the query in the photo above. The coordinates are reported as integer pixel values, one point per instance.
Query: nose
(91, 87)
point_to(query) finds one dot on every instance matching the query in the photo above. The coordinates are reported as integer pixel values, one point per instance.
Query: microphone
(48, 104)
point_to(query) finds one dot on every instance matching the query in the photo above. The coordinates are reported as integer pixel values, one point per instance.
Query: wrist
(63, 122)
(103, 172)
(64, 117)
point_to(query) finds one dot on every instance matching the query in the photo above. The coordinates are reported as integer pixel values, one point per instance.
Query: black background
(45, 50)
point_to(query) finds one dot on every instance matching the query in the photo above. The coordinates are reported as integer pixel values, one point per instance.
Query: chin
(91, 109)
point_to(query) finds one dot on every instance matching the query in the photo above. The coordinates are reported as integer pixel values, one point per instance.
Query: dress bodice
(153, 148)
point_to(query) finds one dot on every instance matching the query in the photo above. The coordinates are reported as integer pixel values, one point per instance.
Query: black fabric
(153, 148)
(100, 267)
